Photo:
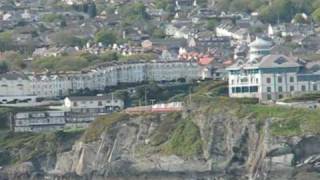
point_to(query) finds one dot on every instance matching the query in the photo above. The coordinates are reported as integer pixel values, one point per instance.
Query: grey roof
(278, 61)
(269, 61)
(89, 98)
(259, 42)
(13, 76)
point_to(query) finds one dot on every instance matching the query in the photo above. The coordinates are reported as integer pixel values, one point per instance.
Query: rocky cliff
(214, 138)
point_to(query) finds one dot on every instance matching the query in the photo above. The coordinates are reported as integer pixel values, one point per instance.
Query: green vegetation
(165, 129)
(89, 8)
(139, 57)
(285, 121)
(4, 118)
(185, 140)
(76, 62)
(304, 97)
(71, 62)
(165, 5)
(49, 18)
(274, 10)
(316, 15)
(6, 41)
(62, 63)
(19, 147)
(66, 38)
(4, 67)
(174, 135)
(102, 124)
(134, 12)
(211, 24)
(106, 37)
(158, 33)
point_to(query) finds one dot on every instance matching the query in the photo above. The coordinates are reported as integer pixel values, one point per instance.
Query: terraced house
(21, 87)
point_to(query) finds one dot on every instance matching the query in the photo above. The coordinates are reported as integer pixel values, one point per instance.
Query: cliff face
(209, 142)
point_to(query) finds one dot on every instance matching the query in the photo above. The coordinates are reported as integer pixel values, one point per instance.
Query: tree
(158, 33)
(4, 67)
(316, 15)
(66, 38)
(282, 10)
(6, 41)
(92, 10)
(105, 37)
(211, 24)
(298, 18)
(134, 13)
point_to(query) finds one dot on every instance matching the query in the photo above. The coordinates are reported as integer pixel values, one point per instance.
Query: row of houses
(77, 112)
(17, 86)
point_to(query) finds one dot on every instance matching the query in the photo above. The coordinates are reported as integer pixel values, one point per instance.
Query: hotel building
(272, 77)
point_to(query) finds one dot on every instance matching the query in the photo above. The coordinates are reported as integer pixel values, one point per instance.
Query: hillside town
(57, 50)
(159, 89)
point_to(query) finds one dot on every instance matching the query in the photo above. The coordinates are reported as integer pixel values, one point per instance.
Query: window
(315, 87)
(238, 89)
(280, 88)
(291, 79)
(303, 88)
(279, 79)
(268, 80)
(254, 89)
(268, 89)
(269, 97)
(257, 80)
(245, 89)
(75, 104)
(291, 88)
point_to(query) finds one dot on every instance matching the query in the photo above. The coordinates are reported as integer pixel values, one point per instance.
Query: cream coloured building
(273, 77)
(97, 78)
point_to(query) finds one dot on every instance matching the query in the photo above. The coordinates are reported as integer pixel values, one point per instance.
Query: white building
(94, 104)
(273, 77)
(98, 78)
(50, 85)
(15, 87)
(229, 30)
(259, 48)
(82, 110)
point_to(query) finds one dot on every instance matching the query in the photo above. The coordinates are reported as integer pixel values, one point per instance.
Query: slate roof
(13, 76)
(89, 98)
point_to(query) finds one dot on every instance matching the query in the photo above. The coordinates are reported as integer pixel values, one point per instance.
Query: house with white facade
(269, 79)
(15, 87)
(50, 85)
(232, 31)
(20, 87)
(94, 104)
(82, 110)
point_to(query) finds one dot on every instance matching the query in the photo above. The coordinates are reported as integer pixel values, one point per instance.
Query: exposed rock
(232, 148)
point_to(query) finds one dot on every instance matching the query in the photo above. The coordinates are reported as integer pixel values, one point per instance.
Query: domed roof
(260, 43)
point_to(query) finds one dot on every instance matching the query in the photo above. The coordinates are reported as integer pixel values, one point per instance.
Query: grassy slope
(102, 124)
(19, 147)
